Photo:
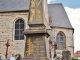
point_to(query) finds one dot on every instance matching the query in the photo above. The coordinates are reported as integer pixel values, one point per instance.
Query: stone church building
(14, 16)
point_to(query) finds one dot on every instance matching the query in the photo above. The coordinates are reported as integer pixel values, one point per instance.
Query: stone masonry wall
(7, 26)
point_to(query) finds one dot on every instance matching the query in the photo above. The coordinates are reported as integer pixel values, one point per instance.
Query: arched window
(19, 28)
(61, 42)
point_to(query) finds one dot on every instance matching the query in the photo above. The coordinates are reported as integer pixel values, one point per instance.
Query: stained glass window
(61, 42)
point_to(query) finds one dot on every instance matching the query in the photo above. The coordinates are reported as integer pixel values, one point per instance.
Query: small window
(19, 28)
(61, 42)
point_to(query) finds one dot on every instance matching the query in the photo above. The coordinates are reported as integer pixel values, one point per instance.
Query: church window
(61, 42)
(19, 28)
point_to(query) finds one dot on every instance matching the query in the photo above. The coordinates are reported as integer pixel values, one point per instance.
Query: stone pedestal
(35, 45)
(66, 55)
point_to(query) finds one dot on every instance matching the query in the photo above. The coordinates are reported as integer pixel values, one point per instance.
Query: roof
(57, 13)
(58, 16)
(77, 54)
(14, 5)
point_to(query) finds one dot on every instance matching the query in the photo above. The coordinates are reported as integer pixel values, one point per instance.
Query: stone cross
(7, 45)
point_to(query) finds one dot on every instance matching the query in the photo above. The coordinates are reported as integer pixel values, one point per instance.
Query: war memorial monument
(36, 35)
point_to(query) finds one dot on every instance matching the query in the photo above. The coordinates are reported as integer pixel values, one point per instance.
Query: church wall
(69, 38)
(7, 26)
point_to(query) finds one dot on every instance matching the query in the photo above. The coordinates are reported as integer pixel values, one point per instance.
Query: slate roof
(58, 16)
(56, 11)
(14, 5)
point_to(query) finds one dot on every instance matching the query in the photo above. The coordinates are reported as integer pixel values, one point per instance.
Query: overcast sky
(72, 8)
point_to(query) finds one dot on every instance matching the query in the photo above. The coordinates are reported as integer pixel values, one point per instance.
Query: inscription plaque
(35, 47)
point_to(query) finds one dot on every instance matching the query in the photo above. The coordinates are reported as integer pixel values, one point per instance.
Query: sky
(72, 8)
